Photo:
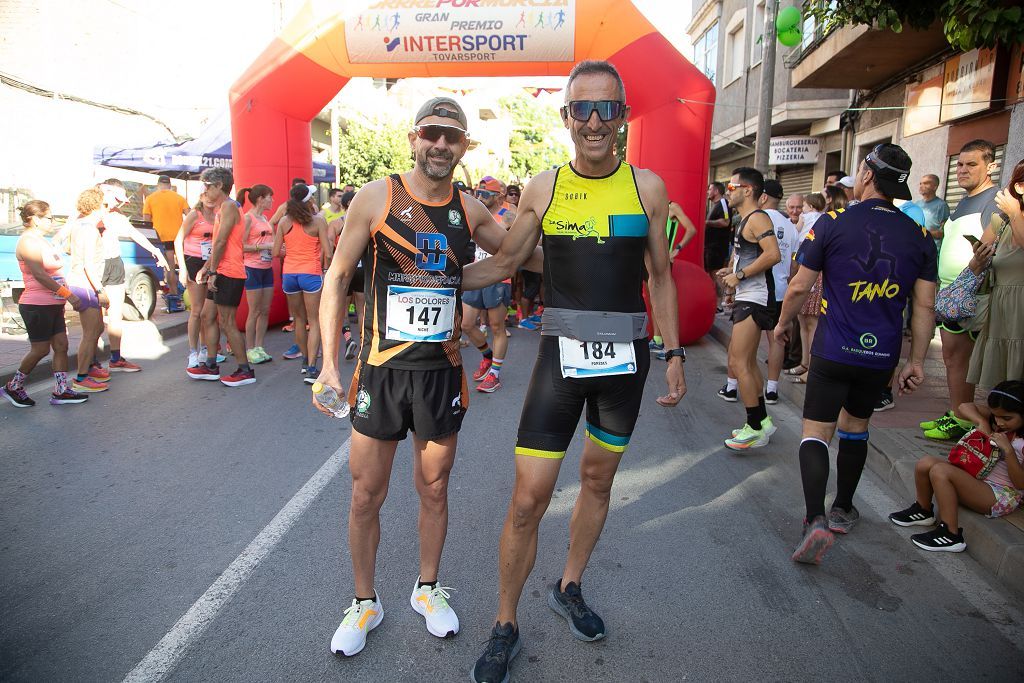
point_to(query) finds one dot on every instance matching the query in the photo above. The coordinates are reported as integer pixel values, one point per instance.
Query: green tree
(367, 153)
(968, 24)
(530, 143)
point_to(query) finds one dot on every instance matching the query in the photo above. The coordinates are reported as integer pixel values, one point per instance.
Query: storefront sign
(462, 31)
(967, 84)
(923, 103)
(793, 149)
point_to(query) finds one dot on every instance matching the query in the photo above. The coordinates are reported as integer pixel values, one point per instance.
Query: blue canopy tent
(187, 160)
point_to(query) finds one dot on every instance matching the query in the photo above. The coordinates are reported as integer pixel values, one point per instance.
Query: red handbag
(975, 454)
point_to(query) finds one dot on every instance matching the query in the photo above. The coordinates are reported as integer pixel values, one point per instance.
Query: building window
(808, 32)
(734, 61)
(757, 34)
(705, 52)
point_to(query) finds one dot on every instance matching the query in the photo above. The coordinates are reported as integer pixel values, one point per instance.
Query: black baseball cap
(891, 166)
(164, 179)
(773, 188)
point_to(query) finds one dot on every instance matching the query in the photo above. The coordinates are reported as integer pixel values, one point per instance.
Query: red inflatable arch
(273, 103)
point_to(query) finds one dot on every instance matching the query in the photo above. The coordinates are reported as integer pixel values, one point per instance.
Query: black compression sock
(853, 453)
(754, 417)
(814, 475)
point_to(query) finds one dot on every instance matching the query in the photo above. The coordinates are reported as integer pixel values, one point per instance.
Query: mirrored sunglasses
(432, 133)
(485, 194)
(607, 110)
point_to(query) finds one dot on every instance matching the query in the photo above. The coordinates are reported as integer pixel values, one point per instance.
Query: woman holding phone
(999, 351)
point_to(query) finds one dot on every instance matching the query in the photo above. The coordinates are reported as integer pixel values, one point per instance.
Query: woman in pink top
(192, 249)
(257, 247)
(308, 253)
(998, 493)
(42, 308)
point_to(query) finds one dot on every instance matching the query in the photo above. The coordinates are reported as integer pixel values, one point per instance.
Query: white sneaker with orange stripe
(432, 603)
(360, 618)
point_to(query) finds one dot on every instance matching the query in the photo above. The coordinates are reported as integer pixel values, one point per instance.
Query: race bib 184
(420, 314)
(595, 359)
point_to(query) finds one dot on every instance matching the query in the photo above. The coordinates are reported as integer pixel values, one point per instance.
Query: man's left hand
(676, 381)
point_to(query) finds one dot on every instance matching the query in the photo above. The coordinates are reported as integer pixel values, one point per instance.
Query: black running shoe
(915, 515)
(771, 397)
(583, 622)
(941, 539)
(727, 394)
(19, 398)
(885, 402)
(502, 647)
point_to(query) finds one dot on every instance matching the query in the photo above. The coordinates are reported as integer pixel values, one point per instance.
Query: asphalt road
(188, 531)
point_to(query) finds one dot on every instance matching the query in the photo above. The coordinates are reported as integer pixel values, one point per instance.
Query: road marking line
(163, 658)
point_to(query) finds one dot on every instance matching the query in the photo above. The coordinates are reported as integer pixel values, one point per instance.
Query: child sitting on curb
(996, 494)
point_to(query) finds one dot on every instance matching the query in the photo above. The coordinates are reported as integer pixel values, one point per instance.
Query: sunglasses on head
(485, 194)
(433, 133)
(607, 110)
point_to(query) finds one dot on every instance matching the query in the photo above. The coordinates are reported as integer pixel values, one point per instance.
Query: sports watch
(679, 353)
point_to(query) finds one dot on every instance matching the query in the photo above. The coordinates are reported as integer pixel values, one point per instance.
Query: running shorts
(388, 402)
(494, 296)
(358, 283)
(192, 266)
(765, 317)
(716, 250)
(833, 386)
(43, 321)
(554, 403)
(259, 278)
(113, 272)
(531, 284)
(229, 291)
(955, 328)
(88, 298)
(293, 283)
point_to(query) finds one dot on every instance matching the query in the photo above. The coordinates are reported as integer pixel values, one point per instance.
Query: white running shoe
(203, 355)
(360, 619)
(193, 359)
(432, 603)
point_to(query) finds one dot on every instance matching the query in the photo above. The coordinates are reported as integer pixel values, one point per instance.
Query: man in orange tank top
(409, 375)
(224, 274)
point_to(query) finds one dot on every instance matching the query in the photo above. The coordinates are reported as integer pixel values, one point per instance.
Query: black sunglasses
(607, 110)
(433, 133)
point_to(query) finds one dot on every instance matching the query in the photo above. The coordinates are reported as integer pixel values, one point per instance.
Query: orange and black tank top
(413, 285)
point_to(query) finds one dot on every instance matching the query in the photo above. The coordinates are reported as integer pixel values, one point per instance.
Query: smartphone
(972, 239)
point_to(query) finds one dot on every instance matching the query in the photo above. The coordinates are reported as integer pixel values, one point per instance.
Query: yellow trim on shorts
(538, 453)
(607, 446)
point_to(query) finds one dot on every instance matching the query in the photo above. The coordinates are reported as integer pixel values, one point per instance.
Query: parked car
(143, 277)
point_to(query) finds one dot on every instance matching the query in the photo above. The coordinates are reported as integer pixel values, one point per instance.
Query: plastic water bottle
(328, 398)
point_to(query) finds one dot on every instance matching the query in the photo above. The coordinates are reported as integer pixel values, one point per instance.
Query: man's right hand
(74, 301)
(329, 378)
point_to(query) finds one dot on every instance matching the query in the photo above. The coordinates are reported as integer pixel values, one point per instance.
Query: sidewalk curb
(170, 330)
(997, 544)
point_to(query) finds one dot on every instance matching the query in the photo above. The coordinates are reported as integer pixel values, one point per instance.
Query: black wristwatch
(679, 353)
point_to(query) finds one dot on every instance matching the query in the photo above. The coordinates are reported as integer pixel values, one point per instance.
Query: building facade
(914, 90)
(728, 46)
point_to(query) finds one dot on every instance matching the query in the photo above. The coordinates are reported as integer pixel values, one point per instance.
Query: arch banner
(327, 43)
